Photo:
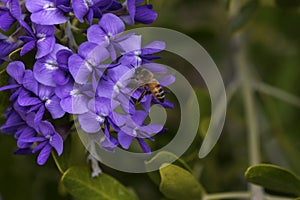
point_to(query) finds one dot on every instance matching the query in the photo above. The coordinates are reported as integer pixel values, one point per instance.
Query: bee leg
(141, 97)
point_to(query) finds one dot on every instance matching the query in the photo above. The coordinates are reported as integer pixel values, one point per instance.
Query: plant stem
(249, 107)
(228, 195)
(277, 93)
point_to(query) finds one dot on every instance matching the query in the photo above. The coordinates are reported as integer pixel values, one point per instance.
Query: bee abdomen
(160, 94)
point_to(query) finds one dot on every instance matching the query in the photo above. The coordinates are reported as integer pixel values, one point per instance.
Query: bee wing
(166, 80)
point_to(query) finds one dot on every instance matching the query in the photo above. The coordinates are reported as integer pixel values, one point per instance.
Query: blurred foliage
(272, 45)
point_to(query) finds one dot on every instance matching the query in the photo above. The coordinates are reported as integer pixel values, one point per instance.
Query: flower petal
(111, 24)
(34, 6)
(42, 72)
(145, 14)
(53, 106)
(124, 139)
(79, 68)
(30, 83)
(12, 123)
(64, 91)
(132, 43)
(27, 47)
(15, 9)
(49, 17)
(6, 19)
(45, 46)
(60, 77)
(167, 80)
(154, 47)
(16, 70)
(75, 105)
(96, 34)
(80, 9)
(44, 154)
(46, 128)
(88, 122)
(144, 145)
(44, 30)
(56, 142)
(24, 99)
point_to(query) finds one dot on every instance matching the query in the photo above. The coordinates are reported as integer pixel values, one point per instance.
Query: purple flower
(48, 12)
(46, 138)
(86, 65)
(45, 67)
(107, 33)
(109, 142)
(115, 82)
(62, 75)
(31, 96)
(140, 13)
(140, 55)
(18, 77)
(99, 110)
(134, 128)
(74, 97)
(9, 14)
(7, 45)
(89, 9)
(45, 98)
(13, 121)
(43, 39)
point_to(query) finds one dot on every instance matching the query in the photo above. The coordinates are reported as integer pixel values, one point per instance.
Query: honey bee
(146, 80)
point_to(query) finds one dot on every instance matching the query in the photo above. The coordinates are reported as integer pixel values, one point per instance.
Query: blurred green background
(271, 30)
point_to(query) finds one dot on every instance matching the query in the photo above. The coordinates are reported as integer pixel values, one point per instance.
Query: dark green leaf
(79, 183)
(244, 15)
(178, 183)
(274, 178)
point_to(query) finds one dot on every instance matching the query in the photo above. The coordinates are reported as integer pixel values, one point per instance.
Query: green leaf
(274, 178)
(79, 183)
(244, 15)
(161, 158)
(178, 183)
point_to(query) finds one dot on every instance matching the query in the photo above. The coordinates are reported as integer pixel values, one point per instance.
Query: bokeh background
(271, 43)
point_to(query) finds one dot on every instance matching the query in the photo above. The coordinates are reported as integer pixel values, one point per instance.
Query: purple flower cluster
(95, 82)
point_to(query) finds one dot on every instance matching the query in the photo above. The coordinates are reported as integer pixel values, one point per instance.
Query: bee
(147, 81)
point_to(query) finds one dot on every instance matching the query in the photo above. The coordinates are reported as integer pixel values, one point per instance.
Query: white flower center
(51, 65)
(49, 6)
(100, 118)
(137, 52)
(75, 92)
(48, 101)
(89, 65)
(41, 36)
(88, 3)
(134, 131)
